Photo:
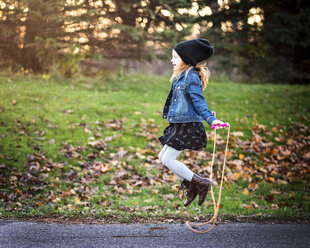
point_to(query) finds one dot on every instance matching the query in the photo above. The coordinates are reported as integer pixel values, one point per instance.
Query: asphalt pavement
(34, 234)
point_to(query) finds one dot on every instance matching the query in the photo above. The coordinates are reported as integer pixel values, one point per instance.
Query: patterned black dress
(180, 136)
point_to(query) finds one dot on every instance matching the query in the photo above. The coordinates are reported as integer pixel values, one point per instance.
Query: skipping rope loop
(216, 206)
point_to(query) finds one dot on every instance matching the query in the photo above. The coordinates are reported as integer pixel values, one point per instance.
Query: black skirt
(180, 136)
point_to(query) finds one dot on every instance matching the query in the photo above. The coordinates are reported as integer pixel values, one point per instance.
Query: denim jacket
(185, 102)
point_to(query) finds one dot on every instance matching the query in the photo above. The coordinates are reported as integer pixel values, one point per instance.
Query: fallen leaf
(246, 192)
(292, 194)
(253, 186)
(238, 134)
(104, 168)
(77, 201)
(254, 204)
(275, 151)
(233, 176)
(167, 197)
(87, 130)
(246, 206)
(274, 206)
(237, 163)
(105, 204)
(69, 111)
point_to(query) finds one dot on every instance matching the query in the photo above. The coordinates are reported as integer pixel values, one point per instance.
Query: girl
(185, 109)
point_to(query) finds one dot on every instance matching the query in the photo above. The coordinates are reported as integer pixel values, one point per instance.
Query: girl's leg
(195, 184)
(162, 152)
(178, 168)
(161, 155)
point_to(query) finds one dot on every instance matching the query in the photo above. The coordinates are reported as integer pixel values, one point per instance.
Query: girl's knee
(162, 152)
(166, 160)
(168, 154)
(160, 156)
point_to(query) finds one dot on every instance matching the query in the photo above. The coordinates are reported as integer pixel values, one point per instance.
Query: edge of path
(143, 220)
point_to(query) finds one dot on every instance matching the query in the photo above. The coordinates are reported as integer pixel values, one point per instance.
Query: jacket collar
(183, 74)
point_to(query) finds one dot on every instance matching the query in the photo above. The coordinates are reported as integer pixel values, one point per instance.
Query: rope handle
(220, 125)
(215, 205)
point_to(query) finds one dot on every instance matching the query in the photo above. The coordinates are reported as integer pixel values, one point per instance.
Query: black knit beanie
(194, 51)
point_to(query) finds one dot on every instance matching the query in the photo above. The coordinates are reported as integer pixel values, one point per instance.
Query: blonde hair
(201, 69)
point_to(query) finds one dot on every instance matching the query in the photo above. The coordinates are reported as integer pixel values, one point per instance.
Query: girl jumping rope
(185, 109)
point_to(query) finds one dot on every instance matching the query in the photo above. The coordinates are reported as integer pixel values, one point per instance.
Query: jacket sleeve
(194, 89)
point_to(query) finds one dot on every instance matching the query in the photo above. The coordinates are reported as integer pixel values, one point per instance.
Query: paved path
(31, 234)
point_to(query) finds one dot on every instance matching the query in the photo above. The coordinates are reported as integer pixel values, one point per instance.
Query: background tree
(30, 30)
(37, 32)
(259, 39)
(286, 30)
(265, 40)
(123, 29)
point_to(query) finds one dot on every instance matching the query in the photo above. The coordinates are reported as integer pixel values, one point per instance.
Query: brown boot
(202, 185)
(190, 194)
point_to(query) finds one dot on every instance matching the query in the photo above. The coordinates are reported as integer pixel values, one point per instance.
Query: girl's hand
(217, 122)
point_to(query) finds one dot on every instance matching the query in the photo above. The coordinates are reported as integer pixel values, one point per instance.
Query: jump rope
(216, 206)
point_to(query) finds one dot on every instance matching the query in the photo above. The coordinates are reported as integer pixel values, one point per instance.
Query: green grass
(34, 120)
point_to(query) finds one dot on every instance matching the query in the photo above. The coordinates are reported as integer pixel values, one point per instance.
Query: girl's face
(176, 60)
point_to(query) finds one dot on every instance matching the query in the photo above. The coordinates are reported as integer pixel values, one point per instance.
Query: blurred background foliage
(256, 40)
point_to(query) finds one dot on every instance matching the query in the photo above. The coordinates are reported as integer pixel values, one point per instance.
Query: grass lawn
(88, 147)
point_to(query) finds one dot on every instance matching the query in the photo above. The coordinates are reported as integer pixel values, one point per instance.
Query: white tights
(168, 157)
